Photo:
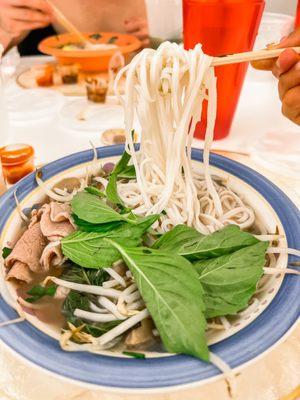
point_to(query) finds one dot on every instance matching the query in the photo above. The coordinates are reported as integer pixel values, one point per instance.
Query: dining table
(273, 375)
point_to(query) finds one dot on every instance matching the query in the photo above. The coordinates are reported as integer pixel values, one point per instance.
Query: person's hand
(287, 69)
(20, 16)
(138, 27)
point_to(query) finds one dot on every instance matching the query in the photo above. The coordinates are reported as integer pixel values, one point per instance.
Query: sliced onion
(51, 193)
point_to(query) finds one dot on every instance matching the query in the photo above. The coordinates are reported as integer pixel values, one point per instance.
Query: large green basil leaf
(176, 238)
(91, 208)
(89, 227)
(112, 191)
(173, 295)
(89, 250)
(193, 245)
(230, 281)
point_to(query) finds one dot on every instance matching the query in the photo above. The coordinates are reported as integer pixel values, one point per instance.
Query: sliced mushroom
(68, 184)
(141, 336)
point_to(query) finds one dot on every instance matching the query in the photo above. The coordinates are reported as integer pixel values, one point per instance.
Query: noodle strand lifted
(165, 89)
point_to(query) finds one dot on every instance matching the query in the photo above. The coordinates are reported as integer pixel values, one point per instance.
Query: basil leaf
(89, 227)
(112, 39)
(173, 295)
(75, 300)
(95, 36)
(128, 173)
(195, 246)
(133, 354)
(92, 209)
(94, 190)
(38, 291)
(122, 163)
(112, 191)
(230, 281)
(176, 238)
(121, 170)
(6, 252)
(77, 274)
(89, 250)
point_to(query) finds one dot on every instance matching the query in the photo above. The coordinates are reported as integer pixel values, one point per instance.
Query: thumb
(293, 40)
(287, 59)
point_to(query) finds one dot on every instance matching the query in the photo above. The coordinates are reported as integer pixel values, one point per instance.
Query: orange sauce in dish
(17, 161)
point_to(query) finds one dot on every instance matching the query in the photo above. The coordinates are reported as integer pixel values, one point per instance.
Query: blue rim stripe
(247, 344)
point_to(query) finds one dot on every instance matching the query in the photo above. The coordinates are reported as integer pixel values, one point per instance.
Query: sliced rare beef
(52, 256)
(56, 221)
(25, 257)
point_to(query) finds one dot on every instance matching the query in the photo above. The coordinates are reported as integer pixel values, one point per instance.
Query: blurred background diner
(26, 22)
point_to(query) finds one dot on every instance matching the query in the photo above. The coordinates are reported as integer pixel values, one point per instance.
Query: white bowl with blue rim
(248, 338)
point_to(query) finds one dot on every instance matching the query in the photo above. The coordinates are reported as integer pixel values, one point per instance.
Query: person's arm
(287, 69)
(19, 17)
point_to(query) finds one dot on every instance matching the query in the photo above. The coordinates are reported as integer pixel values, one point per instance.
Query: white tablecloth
(270, 378)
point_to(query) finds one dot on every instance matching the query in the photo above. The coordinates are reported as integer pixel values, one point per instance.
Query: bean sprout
(123, 327)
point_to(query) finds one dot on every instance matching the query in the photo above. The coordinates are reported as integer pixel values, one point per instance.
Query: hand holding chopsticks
(66, 23)
(250, 56)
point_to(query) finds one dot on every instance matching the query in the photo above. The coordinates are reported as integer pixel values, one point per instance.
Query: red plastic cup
(297, 23)
(223, 27)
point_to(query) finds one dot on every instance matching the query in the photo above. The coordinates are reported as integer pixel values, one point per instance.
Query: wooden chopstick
(66, 23)
(250, 56)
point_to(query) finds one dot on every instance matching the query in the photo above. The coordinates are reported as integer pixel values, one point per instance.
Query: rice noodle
(166, 89)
